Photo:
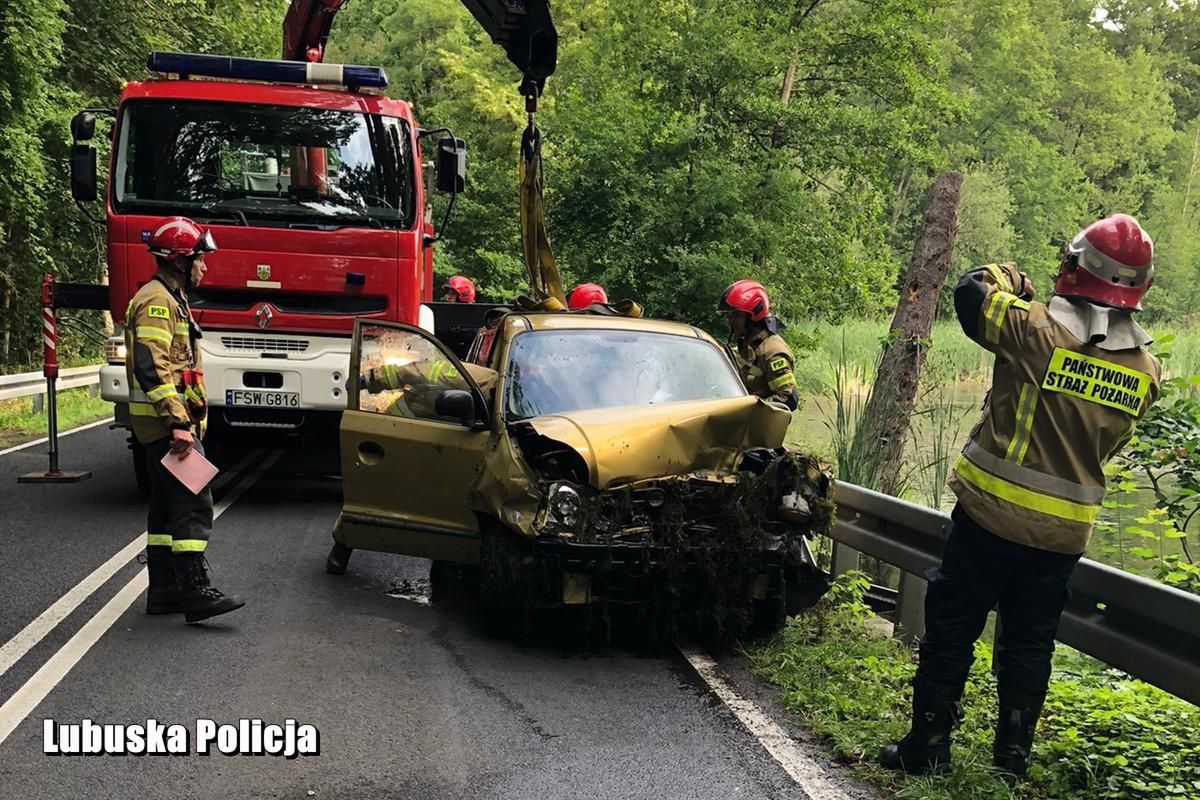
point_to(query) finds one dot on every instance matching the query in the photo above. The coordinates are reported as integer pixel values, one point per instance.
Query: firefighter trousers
(980, 571)
(177, 519)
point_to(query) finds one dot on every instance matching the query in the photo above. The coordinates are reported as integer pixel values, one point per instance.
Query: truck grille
(263, 418)
(258, 344)
(286, 302)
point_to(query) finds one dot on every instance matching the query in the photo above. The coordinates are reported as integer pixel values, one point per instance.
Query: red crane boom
(306, 28)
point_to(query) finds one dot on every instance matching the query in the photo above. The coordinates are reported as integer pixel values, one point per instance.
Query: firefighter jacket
(161, 357)
(766, 364)
(1032, 471)
(412, 389)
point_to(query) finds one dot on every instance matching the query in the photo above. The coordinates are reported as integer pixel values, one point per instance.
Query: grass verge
(76, 407)
(1102, 734)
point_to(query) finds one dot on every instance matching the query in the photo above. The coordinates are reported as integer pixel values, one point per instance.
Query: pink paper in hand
(194, 472)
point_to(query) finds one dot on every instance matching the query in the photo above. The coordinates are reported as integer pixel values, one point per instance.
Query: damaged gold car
(609, 463)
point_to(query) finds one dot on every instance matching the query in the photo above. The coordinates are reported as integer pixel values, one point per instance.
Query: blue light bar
(187, 65)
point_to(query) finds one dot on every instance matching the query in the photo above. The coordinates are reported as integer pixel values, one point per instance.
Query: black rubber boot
(926, 748)
(339, 559)
(163, 595)
(200, 599)
(1014, 736)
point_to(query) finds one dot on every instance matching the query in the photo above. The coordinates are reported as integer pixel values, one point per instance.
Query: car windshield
(264, 162)
(553, 372)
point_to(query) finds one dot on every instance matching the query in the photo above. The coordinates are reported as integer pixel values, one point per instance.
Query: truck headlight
(114, 350)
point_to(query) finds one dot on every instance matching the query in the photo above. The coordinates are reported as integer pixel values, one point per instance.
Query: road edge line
(61, 434)
(806, 773)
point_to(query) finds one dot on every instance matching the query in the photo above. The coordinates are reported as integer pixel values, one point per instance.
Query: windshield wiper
(357, 217)
(217, 210)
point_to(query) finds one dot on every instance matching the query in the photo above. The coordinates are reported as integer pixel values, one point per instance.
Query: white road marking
(27, 698)
(29, 636)
(34, 691)
(61, 434)
(240, 489)
(802, 769)
(16, 647)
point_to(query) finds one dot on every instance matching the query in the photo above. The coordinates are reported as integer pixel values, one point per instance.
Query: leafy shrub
(1102, 735)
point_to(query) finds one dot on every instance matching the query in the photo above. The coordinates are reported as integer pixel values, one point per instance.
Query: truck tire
(141, 472)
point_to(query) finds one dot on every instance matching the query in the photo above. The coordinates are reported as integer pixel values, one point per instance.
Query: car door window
(401, 373)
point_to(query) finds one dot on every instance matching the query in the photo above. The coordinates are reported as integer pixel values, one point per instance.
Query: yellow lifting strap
(544, 280)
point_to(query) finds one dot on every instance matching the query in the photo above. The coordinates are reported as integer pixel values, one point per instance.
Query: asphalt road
(411, 699)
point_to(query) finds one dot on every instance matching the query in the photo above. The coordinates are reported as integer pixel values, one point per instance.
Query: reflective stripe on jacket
(1058, 410)
(766, 363)
(158, 348)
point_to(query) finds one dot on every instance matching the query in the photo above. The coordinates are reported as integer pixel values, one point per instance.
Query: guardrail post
(39, 403)
(845, 558)
(910, 608)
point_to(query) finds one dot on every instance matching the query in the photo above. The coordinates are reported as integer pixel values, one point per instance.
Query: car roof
(559, 320)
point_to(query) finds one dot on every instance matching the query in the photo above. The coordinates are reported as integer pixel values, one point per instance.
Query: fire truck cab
(312, 184)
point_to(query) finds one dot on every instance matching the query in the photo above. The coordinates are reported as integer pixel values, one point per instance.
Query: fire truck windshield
(264, 164)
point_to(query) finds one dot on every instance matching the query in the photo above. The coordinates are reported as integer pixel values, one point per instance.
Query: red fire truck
(313, 184)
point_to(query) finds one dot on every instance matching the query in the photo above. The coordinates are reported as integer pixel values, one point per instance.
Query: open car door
(412, 439)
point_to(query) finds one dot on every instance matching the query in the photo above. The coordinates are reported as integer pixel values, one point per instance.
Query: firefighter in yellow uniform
(766, 360)
(168, 409)
(417, 386)
(420, 383)
(1071, 378)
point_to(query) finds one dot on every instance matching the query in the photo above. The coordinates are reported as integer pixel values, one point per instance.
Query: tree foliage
(689, 142)
(56, 58)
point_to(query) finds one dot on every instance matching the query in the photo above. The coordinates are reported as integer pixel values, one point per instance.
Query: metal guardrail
(1144, 628)
(33, 384)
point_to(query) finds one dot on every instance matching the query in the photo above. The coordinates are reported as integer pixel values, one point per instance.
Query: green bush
(1102, 735)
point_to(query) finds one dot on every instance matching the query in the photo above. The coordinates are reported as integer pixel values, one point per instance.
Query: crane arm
(522, 27)
(306, 28)
(525, 31)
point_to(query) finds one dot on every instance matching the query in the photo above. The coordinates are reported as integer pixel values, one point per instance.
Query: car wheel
(770, 613)
(806, 584)
(497, 604)
(454, 585)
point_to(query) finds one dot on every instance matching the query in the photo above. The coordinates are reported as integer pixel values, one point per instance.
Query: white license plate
(261, 399)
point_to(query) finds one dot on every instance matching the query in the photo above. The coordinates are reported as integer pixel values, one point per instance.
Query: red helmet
(462, 287)
(179, 236)
(1110, 262)
(747, 296)
(585, 294)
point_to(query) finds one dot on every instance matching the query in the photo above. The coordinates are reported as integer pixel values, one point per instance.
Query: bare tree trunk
(1187, 190)
(898, 200)
(785, 97)
(6, 339)
(883, 428)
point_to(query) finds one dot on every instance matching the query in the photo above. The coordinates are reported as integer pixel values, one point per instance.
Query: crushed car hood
(620, 445)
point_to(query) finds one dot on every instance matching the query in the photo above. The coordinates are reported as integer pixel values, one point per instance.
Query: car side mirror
(451, 165)
(83, 172)
(83, 126)
(456, 404)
